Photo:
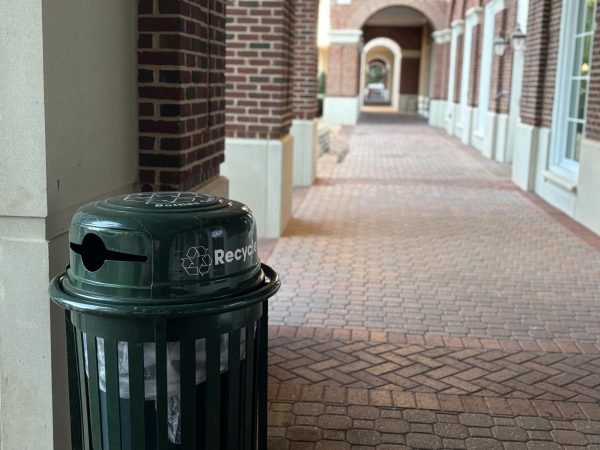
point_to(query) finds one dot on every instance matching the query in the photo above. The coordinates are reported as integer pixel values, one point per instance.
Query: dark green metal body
(167, 345)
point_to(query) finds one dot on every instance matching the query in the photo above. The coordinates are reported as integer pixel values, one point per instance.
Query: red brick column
(541, 54)
(344, 70)
(181, 49)
(502, 66)
(259, 147)
(342, 89)
(305, 59)
(259, 63)
(439, 71)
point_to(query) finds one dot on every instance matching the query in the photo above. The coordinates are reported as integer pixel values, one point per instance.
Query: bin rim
(231, 302)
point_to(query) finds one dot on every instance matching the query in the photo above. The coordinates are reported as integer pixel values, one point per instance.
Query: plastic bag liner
(173, 372)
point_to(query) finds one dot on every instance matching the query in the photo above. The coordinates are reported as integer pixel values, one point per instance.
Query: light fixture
(517, 39)
(499, 45)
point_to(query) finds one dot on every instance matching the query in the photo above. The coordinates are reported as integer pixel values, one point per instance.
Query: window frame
(564, 92)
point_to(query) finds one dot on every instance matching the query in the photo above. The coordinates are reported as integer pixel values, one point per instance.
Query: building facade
(516, 80)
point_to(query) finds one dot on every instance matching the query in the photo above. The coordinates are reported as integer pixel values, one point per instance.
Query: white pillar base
(489, 135)
(341, 110)
(525, 156)
(501, 153)
(465, 136)
(424, 105)
(260, 173)
(588, 186)
(409, 103)
(306, 147)
(450, 118)
(436, 113)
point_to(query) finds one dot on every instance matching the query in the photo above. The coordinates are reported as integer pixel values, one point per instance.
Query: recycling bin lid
(162, 247)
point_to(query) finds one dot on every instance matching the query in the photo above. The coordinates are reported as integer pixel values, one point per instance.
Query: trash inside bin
(166, 306)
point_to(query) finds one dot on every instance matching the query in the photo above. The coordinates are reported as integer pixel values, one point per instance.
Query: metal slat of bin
(249, 389)
(188, 402)
(83, 439)
(213, 391)
(233, 418)
(94, 392)
(261, 367)
(161, 386)
(136, 394)
(112, 394)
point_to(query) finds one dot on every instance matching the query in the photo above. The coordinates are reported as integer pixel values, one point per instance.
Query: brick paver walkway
(428, 303)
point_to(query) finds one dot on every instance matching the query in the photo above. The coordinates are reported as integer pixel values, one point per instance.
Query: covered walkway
(429, 303)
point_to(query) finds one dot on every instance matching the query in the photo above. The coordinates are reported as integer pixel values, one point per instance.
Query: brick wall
(355, 14)
(440, 70)
(305, 59)
(475, 66)
(541, 53)
(180, 86)
(343, 76)
(460, 42)
(259, 68)
(593, 112)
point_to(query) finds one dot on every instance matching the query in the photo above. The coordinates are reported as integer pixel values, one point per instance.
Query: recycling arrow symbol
(197, 262)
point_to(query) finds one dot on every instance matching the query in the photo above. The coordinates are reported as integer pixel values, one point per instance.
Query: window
(573, 83)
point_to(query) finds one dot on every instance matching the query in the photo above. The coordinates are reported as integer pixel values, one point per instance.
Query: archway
(377, 49)
(409, 23)
(403, 33)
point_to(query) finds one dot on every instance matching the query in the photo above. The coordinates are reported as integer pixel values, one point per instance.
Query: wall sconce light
(499, 45)
(517, 39)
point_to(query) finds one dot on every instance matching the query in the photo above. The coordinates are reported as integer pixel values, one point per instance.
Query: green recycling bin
(166, 306)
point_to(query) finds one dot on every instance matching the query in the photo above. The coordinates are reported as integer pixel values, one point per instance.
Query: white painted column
(466, 112)
(343, 110)
(487, 127)
(25, 362)
(68, 110)
(450, 119)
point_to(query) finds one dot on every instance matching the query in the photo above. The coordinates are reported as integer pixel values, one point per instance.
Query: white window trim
(559, 165)
(487, 55)
(473, 16)
(457, 30)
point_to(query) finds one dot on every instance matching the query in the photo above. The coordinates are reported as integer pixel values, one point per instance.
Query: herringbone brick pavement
(412, 232)
(428, 303)
(415, 368)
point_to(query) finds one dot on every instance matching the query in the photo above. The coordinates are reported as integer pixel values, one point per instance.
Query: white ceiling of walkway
(397, 16)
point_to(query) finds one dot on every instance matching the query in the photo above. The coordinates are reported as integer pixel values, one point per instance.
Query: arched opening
(380, 73)
(402, 36)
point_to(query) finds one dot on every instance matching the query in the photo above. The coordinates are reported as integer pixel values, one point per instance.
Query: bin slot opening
(94, 253)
